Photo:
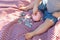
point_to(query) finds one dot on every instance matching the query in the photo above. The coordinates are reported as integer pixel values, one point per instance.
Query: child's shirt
(52, 5)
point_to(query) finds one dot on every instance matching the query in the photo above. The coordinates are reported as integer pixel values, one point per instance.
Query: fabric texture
(11, 29)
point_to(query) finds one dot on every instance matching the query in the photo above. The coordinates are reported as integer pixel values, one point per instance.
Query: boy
(50, 15)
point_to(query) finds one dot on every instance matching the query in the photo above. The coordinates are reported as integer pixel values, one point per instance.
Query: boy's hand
(37, 17)
(28, 36)
(35, 10)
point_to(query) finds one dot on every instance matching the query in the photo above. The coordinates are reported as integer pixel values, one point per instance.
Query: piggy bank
(37, 17)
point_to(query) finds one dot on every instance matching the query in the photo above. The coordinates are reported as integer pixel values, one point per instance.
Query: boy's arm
(36, 4)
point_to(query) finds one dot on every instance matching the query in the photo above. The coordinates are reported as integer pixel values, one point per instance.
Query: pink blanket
(11, 29)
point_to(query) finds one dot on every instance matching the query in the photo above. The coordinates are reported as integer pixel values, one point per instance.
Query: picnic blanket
(12, 29)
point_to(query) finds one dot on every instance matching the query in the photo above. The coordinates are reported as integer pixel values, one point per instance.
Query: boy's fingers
(35, 12)
(23, 8)
(20, 8)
